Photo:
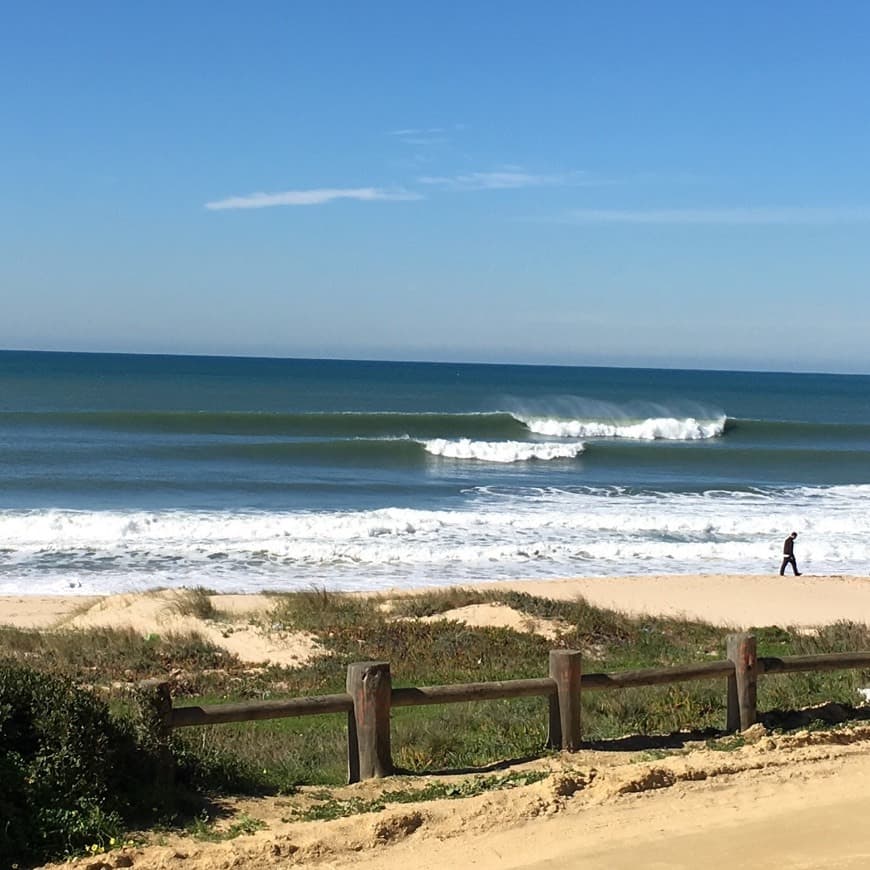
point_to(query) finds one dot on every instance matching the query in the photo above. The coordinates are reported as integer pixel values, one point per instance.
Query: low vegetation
(196, 601)
(325, 806)
(67, 726)
(203, 827)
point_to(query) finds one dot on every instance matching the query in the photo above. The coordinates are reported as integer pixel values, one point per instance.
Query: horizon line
(363, 359)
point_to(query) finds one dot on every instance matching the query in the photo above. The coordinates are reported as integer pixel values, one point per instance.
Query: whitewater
(499, 535)
(651, 429)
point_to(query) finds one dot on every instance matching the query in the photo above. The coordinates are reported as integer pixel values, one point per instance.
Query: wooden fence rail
(370, 696)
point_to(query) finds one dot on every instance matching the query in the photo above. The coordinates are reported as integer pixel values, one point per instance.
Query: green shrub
(70, 772)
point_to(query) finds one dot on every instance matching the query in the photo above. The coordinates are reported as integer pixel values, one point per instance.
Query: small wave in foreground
(502, 451)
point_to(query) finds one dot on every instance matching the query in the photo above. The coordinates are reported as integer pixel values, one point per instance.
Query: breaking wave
(651, 429)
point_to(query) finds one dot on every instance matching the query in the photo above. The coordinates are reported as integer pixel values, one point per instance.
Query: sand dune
(237, 626)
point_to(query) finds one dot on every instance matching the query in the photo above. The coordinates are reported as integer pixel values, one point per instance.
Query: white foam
(495, 534)
(501, 451)
(650, 429)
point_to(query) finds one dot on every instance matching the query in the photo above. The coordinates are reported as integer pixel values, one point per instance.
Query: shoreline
(733, 600)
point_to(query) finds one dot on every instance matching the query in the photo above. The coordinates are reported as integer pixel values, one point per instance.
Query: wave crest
(651, 429)
(501, 451)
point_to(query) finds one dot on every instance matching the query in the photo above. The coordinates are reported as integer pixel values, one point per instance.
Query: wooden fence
(370, 696)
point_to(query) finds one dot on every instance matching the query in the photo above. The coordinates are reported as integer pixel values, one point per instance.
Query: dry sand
(799, 801)
(796, 801)
(738, 600)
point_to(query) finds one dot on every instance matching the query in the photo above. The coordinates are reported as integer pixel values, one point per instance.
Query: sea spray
(651, 429)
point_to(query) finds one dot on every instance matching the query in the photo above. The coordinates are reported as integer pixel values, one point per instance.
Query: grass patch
(273, 756)
(103, 656)
(693, 706)
(425, 738)
(655, 755)
(320, 610)
(195, 602)
(727, 744)
(436, 601)
(335, 808)
(289, 752)
(204, 828)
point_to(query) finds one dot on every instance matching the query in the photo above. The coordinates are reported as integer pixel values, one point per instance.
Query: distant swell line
(781, 430)
(426, 426)
(493, 425)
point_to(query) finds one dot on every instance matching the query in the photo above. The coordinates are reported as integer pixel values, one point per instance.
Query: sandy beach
(734, 600)
(598, 809)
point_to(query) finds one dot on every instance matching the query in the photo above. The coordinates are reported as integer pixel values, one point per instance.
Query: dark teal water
(121, 471)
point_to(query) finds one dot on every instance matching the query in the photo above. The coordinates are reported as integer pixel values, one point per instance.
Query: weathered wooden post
(368, 725)
(565, 704)
(154, 732)
(743, 685)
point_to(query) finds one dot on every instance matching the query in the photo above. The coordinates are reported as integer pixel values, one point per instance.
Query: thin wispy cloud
(316, 196)
(503, 179)
(424, 141)
(421, 136)
(417, 131)
(808, 215)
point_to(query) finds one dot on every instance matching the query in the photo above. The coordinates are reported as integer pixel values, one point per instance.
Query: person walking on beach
(788, 556)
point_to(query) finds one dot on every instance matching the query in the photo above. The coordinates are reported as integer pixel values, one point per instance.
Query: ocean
(126, 472)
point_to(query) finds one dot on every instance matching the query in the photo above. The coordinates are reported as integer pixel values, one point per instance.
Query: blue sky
(629, 183)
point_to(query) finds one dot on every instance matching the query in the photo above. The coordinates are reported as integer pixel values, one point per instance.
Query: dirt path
(795, 801)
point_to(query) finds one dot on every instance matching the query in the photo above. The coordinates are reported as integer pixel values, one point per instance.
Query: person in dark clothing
(788, 556)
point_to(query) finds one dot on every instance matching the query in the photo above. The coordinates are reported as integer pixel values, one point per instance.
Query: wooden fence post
(743, 685)
(368, 725)
(565, 669)
(154, 731)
